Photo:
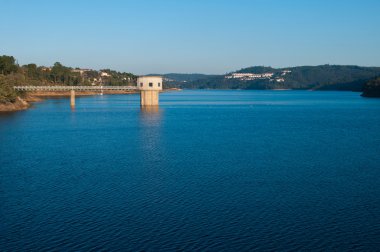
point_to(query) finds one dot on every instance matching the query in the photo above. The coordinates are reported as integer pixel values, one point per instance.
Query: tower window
(159, 84)
(150, 84)
(141, 84)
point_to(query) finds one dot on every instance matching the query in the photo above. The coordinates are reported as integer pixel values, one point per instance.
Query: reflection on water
(150, 135)
(150, 115)
(150, 109)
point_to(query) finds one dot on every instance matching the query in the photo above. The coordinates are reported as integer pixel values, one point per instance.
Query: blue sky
(203, 36)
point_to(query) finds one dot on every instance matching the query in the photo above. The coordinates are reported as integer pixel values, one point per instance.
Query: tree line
(12, 74)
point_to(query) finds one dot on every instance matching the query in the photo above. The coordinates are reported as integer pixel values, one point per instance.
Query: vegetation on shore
(372, 88)
(324, 77)
(11, 74)
(7, 93)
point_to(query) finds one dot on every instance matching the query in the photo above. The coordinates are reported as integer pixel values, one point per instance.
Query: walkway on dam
(75, 88)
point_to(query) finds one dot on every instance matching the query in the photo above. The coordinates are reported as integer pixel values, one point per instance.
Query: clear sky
(188, 36)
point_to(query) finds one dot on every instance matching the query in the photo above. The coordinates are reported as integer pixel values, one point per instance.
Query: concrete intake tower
(150, 87)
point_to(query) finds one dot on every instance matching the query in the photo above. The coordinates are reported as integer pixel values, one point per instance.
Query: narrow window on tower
(141, 84)
(150, 84)
(159, 84)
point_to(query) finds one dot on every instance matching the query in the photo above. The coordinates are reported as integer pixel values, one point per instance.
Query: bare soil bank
(19, 104)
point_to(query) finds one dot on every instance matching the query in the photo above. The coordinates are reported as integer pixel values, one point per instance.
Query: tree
(60, 73)
(7, 93)
(32, 71)
(7, 64)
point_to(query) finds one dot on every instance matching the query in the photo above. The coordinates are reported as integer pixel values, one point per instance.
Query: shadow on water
(10, 117)
(8, 114)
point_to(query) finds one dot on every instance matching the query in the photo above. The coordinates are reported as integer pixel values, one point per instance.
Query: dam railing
(75, 88)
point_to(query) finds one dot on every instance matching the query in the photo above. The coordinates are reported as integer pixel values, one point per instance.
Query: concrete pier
(149, 98)
(72, 98)
(150, 87)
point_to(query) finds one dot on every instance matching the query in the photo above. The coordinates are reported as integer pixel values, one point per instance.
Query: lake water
(208, 170)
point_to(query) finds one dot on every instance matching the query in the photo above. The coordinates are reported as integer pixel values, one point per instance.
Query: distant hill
(186, 77)
(372, 88)
(172, 80)
(258, 70)
(323, 77)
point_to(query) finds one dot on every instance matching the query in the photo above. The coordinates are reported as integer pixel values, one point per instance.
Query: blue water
(209, 170)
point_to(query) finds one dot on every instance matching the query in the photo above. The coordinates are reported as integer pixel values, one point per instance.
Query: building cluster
(104, 74)
(84, 71)
(80, 71)
(103, 77)
(98, 79)
(285, 72)
(249, 76)
(168, 80)
(46, 69)
(90, 76)
(254, 76)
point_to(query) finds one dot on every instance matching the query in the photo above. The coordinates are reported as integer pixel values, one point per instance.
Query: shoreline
(19, 104)
(25, 102)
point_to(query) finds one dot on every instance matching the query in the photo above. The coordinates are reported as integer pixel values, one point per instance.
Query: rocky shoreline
(24, 103)
(19, 104)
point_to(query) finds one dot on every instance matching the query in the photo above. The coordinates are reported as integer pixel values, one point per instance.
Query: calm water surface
(209, 170)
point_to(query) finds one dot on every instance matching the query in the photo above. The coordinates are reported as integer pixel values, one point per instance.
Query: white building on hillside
(105, 74)
(249, 76)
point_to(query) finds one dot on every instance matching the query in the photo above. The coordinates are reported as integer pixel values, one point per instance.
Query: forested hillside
(324, 77)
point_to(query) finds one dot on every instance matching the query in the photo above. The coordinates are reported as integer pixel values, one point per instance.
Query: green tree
(32, 71)
(7, 93)
(7, 64)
